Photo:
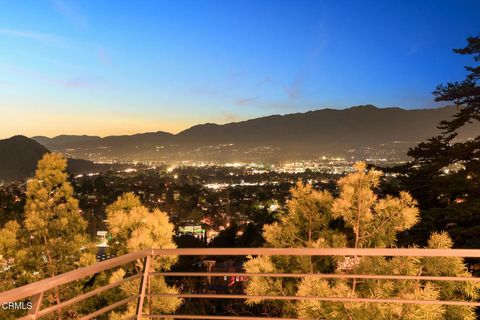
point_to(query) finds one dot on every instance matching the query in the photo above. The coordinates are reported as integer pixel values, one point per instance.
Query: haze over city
(75, 67)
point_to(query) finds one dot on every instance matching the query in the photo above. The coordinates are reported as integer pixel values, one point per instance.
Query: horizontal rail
(388, 252)
(50, 283)
(36, 288)
(313, 275)
(330, 299)
(74, 275)
(109, 307)
(85, 296)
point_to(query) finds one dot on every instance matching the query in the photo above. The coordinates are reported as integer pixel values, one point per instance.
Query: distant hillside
(360, 132)
(19, 156)
(61, 141)
(111, 145)
(335, 130)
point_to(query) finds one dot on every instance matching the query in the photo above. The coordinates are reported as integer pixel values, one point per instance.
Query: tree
(375, 222)
(465, 94)
(369, 222)
(52, 238)
(445, 170)
(306, 224)
(227, 238)
(9, 238)
(133, 227)
(425, 290)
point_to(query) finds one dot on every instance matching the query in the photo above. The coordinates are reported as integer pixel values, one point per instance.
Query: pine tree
(52, 239)
(306, 224)
(465, 94)
(445, 170)
(132, 228)
(369, 222)
(374, 223)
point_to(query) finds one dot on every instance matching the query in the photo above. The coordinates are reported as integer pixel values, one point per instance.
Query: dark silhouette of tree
(465, 94)
(445, 171)
(226, 238)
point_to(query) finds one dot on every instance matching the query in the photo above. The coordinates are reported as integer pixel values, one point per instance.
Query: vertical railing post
(149, 292)
(36, 303)
(143, 286)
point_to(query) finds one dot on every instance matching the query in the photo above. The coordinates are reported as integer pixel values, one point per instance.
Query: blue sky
(120, 67)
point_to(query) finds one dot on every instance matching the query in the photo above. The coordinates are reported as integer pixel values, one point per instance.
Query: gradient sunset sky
(122, 67)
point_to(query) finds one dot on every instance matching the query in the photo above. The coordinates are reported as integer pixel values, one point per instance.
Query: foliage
(466, 93)
(445, 170)
(369, 222)
(9, 237)
(305, 224)
(461, 220)
(133, 227)
(52, 238)
(375, 222)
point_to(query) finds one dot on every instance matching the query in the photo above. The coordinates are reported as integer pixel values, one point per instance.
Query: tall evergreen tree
(52, 239)
(445, 172)
(306, 224)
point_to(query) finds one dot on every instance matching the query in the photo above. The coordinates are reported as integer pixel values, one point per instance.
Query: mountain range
(358, 132)
(19, 156)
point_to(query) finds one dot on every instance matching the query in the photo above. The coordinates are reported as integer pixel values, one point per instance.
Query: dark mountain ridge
(63, 140)
(67, 141)
(292, 136)
(19, 156)
(349, 126)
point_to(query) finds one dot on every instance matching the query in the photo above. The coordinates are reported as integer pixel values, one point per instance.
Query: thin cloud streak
(294, 90)
(246, 101)
(37, 36)
(265, 81)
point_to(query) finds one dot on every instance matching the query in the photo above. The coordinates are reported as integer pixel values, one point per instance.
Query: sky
(123, 67)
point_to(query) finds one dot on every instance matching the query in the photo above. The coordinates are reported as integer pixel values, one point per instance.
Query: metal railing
(35, 291)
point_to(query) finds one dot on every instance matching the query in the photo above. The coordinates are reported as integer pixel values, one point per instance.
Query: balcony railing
(35, 291)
